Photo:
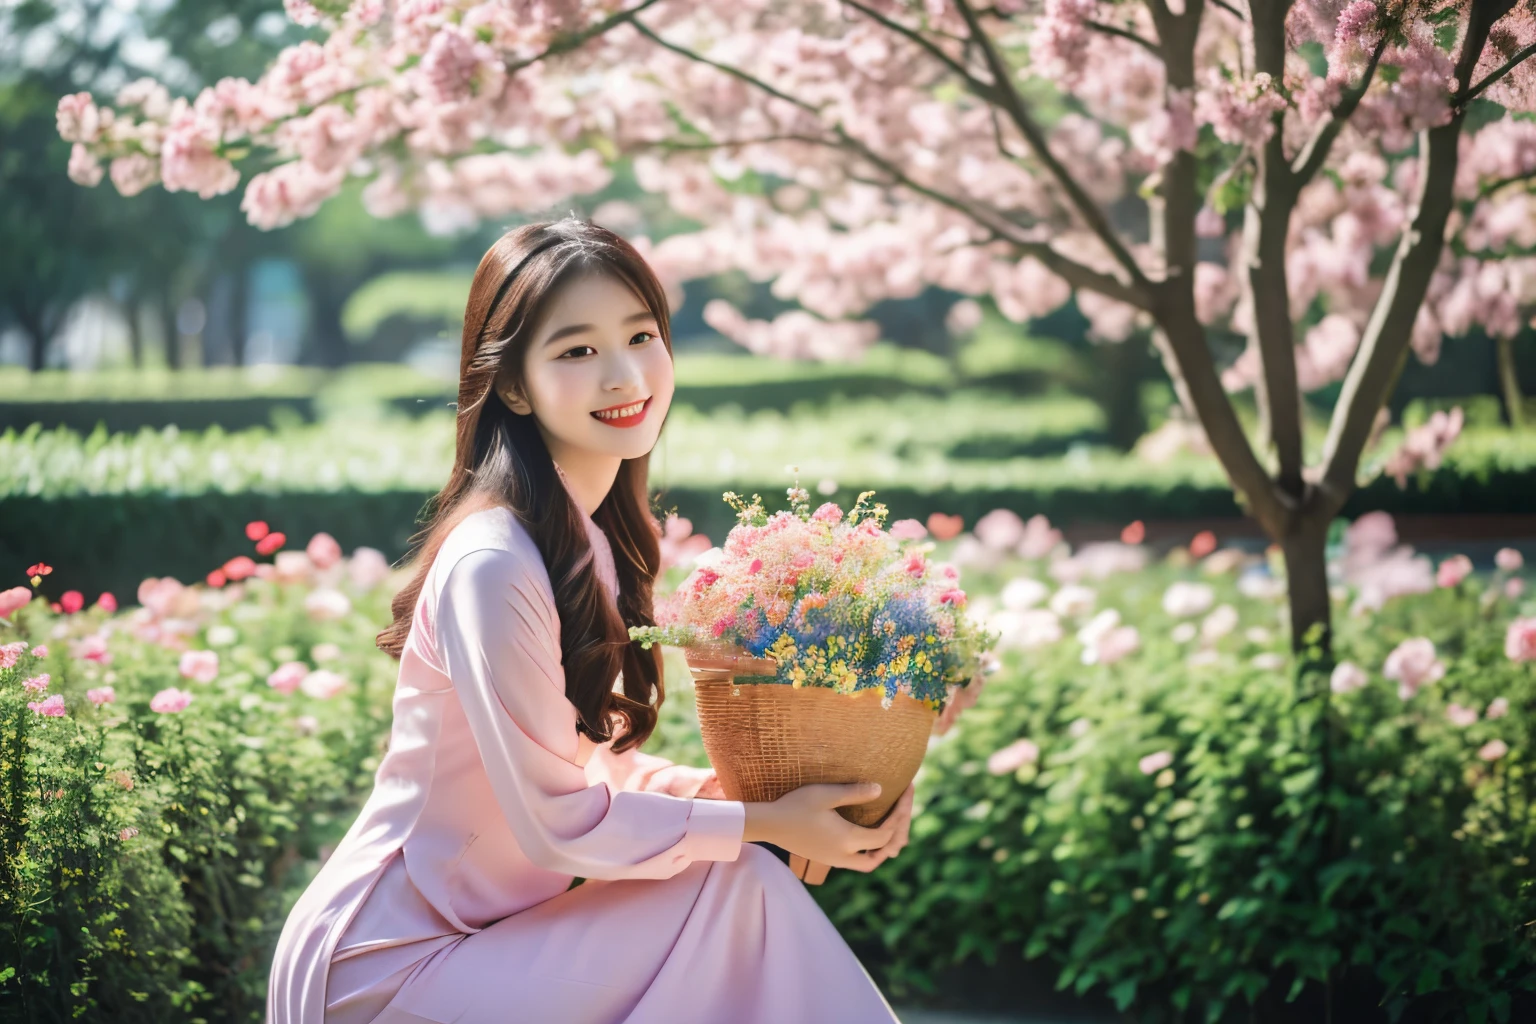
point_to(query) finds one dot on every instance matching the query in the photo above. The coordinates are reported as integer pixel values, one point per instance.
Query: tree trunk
(37, 340)
(1307, 584)
(172, 335)
(135, 332)
(327, 342)
(1509, 381)
(239, 302)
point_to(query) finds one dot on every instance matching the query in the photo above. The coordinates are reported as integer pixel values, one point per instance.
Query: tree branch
(1077, 274)
(1313, 154)
(565, 44)
(933, 48)
(1093, 216)
(1127, 34)
(1493, 76)
(1239, 15)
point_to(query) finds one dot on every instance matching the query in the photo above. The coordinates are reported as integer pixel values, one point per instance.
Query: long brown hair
(501, 460)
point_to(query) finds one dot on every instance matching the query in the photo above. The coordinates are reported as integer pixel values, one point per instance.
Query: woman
(513, 765)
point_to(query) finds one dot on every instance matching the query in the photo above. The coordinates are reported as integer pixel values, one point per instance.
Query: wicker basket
(765, 739)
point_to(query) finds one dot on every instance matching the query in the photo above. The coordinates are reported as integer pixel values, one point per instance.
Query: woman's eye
(578, 348)
(643, 334)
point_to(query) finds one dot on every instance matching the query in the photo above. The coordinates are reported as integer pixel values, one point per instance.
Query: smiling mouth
(624, 415)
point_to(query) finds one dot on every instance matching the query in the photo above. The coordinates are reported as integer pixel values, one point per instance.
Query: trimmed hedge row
(112, 541)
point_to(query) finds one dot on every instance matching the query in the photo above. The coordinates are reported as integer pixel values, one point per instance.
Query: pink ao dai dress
(449, 899)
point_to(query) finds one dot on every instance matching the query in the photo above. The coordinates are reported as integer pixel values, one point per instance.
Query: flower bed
(1140, 798)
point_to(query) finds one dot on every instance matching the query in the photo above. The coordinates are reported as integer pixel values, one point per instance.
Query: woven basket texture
(765, 739)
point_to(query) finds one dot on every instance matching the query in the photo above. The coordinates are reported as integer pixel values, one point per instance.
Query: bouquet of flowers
(822, 647)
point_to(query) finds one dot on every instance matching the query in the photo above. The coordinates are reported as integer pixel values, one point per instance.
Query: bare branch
(1239, 15)
(1493, 76)
(1127, 34)
(1013, 103)
(1310, 160)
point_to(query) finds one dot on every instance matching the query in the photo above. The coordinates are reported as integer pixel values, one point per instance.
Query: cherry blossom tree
(1285, 194)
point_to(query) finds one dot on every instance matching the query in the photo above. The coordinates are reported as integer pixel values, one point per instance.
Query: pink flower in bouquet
(1453, 570)
(1493, 750)
(37, 684)
(13, 600)
(915, 565)
(1013, 757)
(828, 513)
(901, 529)
(203, 666)
(1498, 708)
(756, 567)
(100, 695)
(49, 707)
(954, 596)
(323, 550)
(1413, 664)
(1520, 640)
(1460, 716)
(1507, 559)
(322, 684)
(1154, 763)
(169, 701)
(287, 676)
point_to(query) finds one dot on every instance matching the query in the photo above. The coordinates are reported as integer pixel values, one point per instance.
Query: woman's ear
(512, 397)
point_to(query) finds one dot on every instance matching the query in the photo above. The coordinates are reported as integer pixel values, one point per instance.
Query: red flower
(1134, 534)
(239, 567)
(270, 543)
(256, 530)
(107, 603)
(40, 569)
(72, 601)
(217, 578)
(1203, 544)
(57, 608)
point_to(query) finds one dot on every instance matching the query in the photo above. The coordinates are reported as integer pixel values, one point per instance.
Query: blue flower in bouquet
(909, 649)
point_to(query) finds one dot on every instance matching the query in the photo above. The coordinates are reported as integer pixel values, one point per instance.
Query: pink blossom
(1154, 763)
(323, 550)
(1453, 570)
(100, 695)
(13, 600)
(1073, 601)
(1012, 757)
(1513, 588)
(288, 192)
(292, 566)
(287, 676)
(1183, 599)
(79, 120)
(1347, 677)
(37, 683)
(48, 707)
(302, 12)
(306, 725)
(1520, 640)
(169, 701)
(1000, 529)
(1493, 750)
(1498, 708)
(326, 604)
(1040, 538)
(11, 653)
(1424, 447)
(828, 513)
(133, 173)
(92, 647)
(1507, 560)
(1240, 112)
(325, 652)
(84, 168)
(40, 651)
(322, 684)
(202, 666)
(1460, 716)
(1023, 592)
(1413, 664)
(1354, 23)
(368, 567)
(189, 160)
(901, 529)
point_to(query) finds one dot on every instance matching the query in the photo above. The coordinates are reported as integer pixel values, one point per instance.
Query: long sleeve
(496, 633)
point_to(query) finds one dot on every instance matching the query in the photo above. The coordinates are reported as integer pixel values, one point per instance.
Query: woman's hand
(805, 821)
(901, 820)
(711, 789)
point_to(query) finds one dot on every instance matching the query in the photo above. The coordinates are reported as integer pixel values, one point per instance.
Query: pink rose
(1498, 709)
(1413, 664)
(50, 707)
(1493, 750)
(37, 684)
(323, 550)
(202, 666)
(92, 647)
(322, 684)
(1012, 757)
(40, 651)
(1453, 570)
(1347, 677)
(1154, 763)
(1520, 640)
(101, 695)
(13, 600)
(368, 568)
(1460, 716)
(287, 677)
(1507, 559)
(169, 701)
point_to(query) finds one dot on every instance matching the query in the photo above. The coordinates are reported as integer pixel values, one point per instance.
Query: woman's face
(597, 349)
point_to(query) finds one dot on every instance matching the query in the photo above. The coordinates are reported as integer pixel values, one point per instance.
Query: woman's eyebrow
(571, 329)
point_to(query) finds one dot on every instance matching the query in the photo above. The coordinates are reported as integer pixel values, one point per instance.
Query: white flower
(1024, 592)
(1073, 601)
(326, 604)
(1222, 620)
(1184, 599)
(1347, 677)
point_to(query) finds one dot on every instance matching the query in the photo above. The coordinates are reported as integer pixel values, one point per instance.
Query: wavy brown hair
(500, 459)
